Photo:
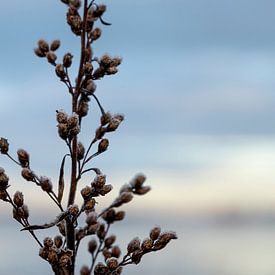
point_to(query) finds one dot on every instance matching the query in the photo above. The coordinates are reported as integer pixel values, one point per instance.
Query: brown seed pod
(67, 60)
(4, 146)
(27, 174)
(95, 34)
(51, 57)
(91, 218)
(60, 71)
(116, 251)
(4, 180)
(23, 157)
(58, 241)
(85, 270)
(18, 199)
(103, 145)
(147, 245)
(109, 241)
(133, 245)
(46, 184)
(55, 45)
(43, 45)
(92, 245)
(39, 52)
(155, 232)
(112, 263)
(48, 242)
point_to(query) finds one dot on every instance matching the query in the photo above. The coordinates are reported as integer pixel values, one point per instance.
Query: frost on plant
(83, 18)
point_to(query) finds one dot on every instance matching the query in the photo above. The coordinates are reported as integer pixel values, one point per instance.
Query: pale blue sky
(197, 88)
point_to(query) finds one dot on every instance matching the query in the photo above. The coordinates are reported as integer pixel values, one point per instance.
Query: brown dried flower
(55, 45)
(4, 146)
(23, 157)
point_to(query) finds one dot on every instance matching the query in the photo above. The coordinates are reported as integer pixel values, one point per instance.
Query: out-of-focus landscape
(197, 89)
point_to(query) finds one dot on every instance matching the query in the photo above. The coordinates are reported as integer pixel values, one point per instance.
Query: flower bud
(142, 191)
(112, 263)
(106, 253)
(67, 60)
(124, 197)
(73, 121)
(74, 131)
(39, 52)
(147, 245)
(86, 192)
(116, 61)
(113, 125)
(106, 189)
(99, 181)
(60, 71)
(83, 108)
(111, 70)
(3, 195)
(91, 218)
(43, 253)
(109, 216)
(90, 204)
(136, 256)
(100, 132)
(4, 146)
(109, 241)
(138, 181)
(52, 257)
(65, 260)
(100, 269)
(51, 57)
(96, 33)
(105, 118)
(73, 210)
(63, 130)
(18, 199)
(105, 60)
(23, 157)
(101, 231)
(120, 215)
(88, 68)
(80, 151)
(61, 117)
(100, 10)
(92, 245)
(4, 180)
(27, 174)
(92, 229)
(43, 45)
(125, 188)
(103, 145)
(155, 232)
(116, 251)
(62, 228)
(58, 241)
(90, 87)
(80, 234)
(48, 242)
(46, 184)
(55, 45)
(85, 270)
(164, 239)
(133, 245)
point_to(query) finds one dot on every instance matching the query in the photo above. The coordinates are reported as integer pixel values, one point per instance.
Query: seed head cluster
(78, 215)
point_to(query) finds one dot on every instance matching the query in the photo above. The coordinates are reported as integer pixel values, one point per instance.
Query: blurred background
(197, 89)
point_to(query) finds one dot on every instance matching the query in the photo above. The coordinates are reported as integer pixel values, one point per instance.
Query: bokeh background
(197, 88)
